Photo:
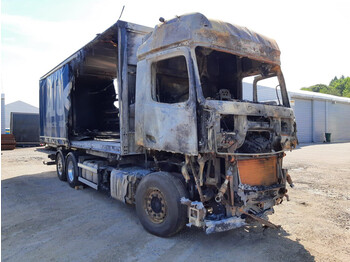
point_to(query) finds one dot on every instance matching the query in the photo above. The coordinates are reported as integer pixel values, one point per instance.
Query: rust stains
(258, 172)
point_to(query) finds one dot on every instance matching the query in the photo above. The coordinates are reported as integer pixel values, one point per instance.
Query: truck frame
(157, 118)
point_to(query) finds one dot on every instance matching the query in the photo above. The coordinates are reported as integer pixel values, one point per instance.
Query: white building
(317, 114)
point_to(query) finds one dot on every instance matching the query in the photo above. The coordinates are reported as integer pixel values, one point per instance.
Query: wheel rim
(59, 165)
(156, 207)
(70, 171)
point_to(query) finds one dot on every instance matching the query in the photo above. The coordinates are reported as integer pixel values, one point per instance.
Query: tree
(315, 88)
(337, 87)
(333, 80)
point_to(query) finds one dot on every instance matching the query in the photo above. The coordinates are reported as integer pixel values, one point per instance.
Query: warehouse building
(316, 114)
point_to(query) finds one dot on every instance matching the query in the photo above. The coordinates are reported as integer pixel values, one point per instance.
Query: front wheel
(158, 204)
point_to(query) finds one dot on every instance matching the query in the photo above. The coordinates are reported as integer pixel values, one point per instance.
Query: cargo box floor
(111, 146)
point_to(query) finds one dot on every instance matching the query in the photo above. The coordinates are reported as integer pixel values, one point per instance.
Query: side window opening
(171, 82)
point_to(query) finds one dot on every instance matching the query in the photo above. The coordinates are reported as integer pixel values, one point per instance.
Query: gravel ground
(43, 219)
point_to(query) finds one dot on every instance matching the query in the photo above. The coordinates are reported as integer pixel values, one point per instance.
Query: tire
(72, 171)
(61, 166)
(158, 204)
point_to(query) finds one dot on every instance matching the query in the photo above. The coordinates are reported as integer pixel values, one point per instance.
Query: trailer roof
(99, 56)
(195, 29)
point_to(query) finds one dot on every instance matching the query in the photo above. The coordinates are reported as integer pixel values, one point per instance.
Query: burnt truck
(156, 118)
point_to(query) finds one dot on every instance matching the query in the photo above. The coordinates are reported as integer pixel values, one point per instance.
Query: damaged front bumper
(197, 217)
(214, 226)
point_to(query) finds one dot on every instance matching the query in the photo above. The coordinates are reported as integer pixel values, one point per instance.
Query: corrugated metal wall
(2, 113)
(303, 116)
(319, 120)
(339, 121)
(316, 117)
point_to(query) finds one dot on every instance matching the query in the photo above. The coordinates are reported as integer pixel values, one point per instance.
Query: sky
(36, 35)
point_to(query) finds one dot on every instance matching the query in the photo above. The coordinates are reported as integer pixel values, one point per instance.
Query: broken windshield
(221, 76)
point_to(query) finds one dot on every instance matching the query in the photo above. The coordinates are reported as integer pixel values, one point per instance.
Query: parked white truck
(157, 118)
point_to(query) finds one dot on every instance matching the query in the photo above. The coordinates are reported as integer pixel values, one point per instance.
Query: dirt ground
(43, 219)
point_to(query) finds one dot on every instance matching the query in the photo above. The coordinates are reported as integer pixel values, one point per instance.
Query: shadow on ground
(43, 219)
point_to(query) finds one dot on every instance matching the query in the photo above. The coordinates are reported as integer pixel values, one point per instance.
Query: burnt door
(165, 107)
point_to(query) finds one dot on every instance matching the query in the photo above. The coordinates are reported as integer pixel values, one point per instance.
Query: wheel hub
(70, 172)
(155, 206)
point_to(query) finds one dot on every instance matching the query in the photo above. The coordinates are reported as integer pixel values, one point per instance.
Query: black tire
(158, 204)
(72, 170)
(61, 166)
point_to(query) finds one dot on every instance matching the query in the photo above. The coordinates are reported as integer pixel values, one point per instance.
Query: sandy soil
(43, 219)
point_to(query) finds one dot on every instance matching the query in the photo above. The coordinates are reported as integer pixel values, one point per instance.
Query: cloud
(31, 47)
(312, 36)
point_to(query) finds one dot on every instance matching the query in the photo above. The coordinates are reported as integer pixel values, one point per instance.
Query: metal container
(90, 170)
(25, 128)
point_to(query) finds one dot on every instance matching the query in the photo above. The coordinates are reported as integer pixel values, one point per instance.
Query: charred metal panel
(245, 108)
(196, 29)
(119, 185)
(112, 147)
(168, 127)
(129, 38)
(239, 127)
(124, 181)
(123, 88)
(136, 34)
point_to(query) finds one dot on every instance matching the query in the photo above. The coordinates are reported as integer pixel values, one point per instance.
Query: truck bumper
(197, 214)
(214, 226)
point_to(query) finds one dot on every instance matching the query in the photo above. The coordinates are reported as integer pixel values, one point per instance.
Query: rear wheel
(72, 170)
(60, 166)
(158, 204)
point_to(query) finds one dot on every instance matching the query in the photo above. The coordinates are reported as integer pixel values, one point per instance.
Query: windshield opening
(221, 76)
(267, 91)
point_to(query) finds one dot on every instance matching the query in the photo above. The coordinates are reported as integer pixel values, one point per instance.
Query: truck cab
(193, 79)
(192, 143)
